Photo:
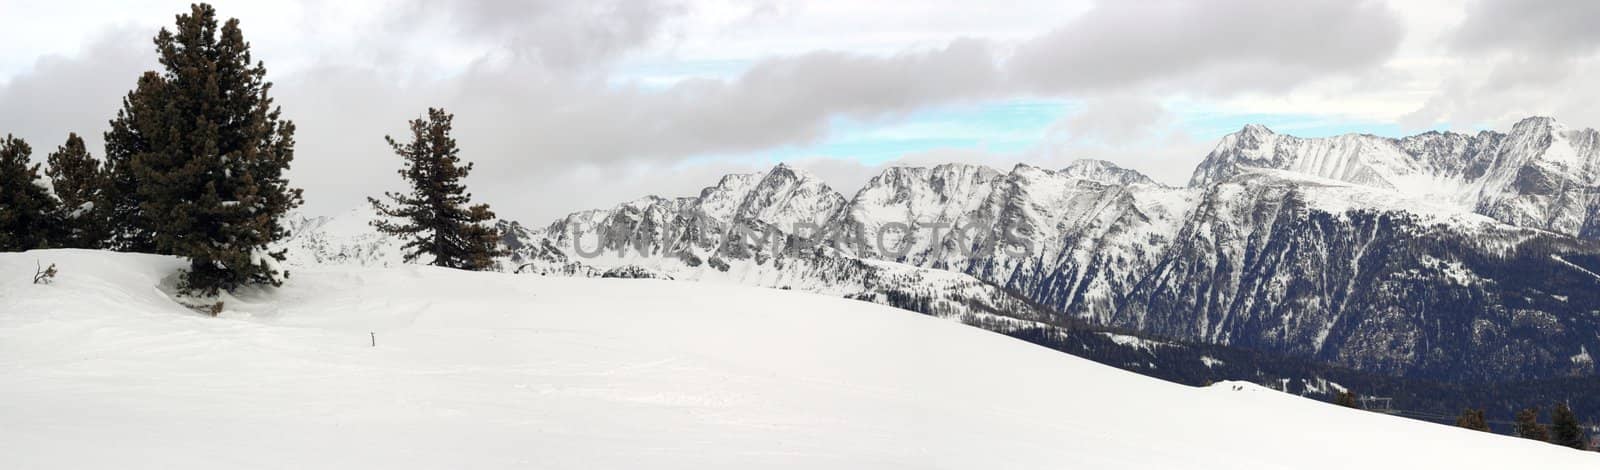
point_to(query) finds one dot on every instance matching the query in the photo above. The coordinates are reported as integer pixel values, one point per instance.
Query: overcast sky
(566, 105)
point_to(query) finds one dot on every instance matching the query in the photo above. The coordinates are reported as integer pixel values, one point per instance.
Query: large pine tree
(136, 126)
(77, 179)
(207, 154)
(435, 218)
(29, 216)
(1565, 430)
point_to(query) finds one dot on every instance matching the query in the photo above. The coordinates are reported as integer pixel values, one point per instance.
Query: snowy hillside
(489, 370)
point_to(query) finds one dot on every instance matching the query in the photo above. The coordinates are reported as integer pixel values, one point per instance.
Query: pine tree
(1565, 430)
(1528, 426)
(136, 126)
(435, 217)
(1473, 419)
(210, 155)
(29, 216)
(77, 179)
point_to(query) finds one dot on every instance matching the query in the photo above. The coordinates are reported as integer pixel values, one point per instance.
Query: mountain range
(1442, 256)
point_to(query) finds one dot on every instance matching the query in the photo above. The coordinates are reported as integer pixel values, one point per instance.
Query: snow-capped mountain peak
(1104, 172)
(785, 197)
(1540, 174)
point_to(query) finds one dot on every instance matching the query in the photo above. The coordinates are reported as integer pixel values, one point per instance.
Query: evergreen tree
(137, 125)
(29, 216)
(209, 176)
(76, 177)
(1473, 419)
(1528, 426)
(1565, 430)
(1347, 399)
(435, 218)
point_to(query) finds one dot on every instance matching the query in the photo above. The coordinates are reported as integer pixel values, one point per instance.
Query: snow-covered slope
(489, 370)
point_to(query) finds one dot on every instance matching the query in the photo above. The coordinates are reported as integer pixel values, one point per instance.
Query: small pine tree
(209, 179)
(29, 215)
(435, 217)
(1528, 426)
(1565, 430)
(1347, 399)
(76, 177)
(1473, 419)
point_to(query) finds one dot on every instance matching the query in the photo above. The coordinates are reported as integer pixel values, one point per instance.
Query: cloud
(1224, 46)
(553, 33)
(1524, 27)
(1513, 59)
(527, 130)
(74, 94)
(790, 100)
(530, 83)
(1116, 120)
(1469, 99)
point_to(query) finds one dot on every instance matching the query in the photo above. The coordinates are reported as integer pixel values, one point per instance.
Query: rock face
(1440, 256)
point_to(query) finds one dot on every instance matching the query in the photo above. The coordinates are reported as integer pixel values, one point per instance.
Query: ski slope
(483, 370)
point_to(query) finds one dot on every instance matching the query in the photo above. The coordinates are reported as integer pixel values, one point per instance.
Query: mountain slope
(1439, 256)
(1275, 260)
(489, 370)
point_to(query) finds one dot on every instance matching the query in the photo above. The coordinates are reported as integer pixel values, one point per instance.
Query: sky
(565, 105)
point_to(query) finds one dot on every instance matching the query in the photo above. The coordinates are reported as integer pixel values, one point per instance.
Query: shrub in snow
(44, 276)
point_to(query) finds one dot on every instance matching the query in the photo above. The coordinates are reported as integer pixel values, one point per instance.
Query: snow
(1575, 267)
(346, 238)
(1582, 357)
(1142, 344)
(487, 370)
(1338, 197)
(261, 257)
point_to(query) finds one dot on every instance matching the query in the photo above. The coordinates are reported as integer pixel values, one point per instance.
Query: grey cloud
(524, 135)
(1531, 27)
(789, 100)
(1515, 59)
(1468, 99)
(553, 33)
(1117, 119)
(1223, 46)
(74, 94)
(548, 124)
(777, 102)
